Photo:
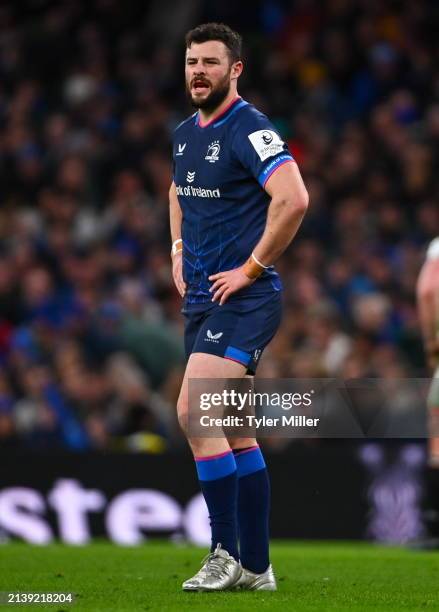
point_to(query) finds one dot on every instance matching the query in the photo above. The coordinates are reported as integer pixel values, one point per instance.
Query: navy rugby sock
(253, 509)
(219, 485)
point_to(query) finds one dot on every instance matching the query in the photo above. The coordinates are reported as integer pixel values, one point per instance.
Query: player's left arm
(289, 202)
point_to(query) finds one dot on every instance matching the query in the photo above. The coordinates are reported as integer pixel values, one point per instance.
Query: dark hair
(217, 31)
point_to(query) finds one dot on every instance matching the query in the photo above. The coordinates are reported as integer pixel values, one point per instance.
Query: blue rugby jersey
(220, 170)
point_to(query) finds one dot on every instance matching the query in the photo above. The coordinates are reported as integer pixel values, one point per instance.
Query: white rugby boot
(257, 582)
(220, 572)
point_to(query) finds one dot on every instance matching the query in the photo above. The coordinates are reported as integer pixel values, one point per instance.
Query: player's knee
(237, 443)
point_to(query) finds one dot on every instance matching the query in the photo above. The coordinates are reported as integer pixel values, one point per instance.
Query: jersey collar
(221, 116)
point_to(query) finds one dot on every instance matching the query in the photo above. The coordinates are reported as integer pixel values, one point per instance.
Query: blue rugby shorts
(239, 330)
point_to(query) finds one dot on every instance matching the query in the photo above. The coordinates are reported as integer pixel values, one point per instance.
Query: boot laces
(215, 564)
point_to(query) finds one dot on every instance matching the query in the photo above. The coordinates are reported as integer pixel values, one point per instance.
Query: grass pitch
(311, 576)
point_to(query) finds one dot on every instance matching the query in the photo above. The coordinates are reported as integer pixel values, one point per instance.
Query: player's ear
(237, 68)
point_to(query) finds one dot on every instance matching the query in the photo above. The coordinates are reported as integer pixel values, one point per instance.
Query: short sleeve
(259, 148)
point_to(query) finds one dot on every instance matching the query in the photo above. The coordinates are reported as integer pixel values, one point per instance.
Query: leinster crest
(213, 151)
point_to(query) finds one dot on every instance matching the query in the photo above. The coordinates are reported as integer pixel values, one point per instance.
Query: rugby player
(236, 201)
(428, 309)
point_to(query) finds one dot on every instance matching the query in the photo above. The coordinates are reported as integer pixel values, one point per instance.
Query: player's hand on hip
(226, 283)
(177, 273)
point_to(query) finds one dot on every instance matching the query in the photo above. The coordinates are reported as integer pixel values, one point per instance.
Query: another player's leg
(433, 408)
(433, 461)
(216, 468)
(253, 516)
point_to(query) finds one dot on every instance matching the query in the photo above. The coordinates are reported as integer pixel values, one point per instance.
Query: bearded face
(206, 95)
(208, 74)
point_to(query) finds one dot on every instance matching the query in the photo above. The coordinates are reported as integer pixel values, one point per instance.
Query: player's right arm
(175, 219)
(427, 292)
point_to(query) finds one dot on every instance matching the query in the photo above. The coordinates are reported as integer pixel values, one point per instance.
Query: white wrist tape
(433, 249)
(175, 248)
(259, 263)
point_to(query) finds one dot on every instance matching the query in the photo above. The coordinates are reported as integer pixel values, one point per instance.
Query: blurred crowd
(91, 352)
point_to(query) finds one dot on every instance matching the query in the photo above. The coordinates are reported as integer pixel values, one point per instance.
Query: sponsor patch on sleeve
(266, 143)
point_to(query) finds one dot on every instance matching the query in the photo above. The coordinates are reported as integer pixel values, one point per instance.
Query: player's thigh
(206, 366)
